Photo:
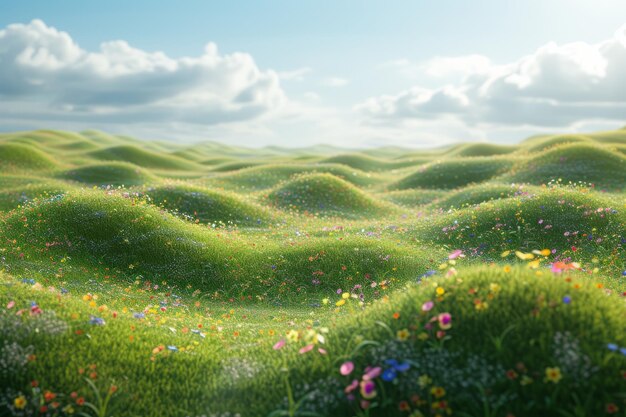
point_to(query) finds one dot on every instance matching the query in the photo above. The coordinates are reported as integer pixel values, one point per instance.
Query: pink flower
(353, 385)
(427, 306)
(279, 344)
(371, 373)
(322, 351)
(455, 254)
(10, 305)
(306, 349)
(445, 321)
(346, 368)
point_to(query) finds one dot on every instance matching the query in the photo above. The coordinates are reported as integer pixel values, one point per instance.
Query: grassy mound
(326, 195)
(208, 206)
(367, 163)
(13, 197)
(512, 337)
(570, 222)
(15, 156)
(268, 176)
(142, 158)
(234, 165)
(546, 142)
(482, 149)
(454, 173)
(112, 173)
(574, 163)
(412, 198)
(477, 194)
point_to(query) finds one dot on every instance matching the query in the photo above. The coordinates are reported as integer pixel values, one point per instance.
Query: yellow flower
(422, 336)
(20, 402)
(292, 336)
(340, 302)
(553, 375)
(424, 381)
(507, 268)
(494, 288)
(524, 256)
(345, 295)
(440, 291)
(526, 380)
(437, 392)
(325, 301)
(403, 335)
(481, 305)
(505, 253)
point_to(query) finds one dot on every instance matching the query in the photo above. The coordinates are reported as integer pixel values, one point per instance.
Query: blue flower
(612, 347)
(623, 351)
(389, 375)
(567, 299)
(139, 315)
(397, 366)
(97, 321)
(172, 348)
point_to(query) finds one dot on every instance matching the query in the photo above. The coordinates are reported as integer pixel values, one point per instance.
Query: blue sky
(365, 73)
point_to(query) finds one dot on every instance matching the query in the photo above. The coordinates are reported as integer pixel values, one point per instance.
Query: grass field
(158, 279)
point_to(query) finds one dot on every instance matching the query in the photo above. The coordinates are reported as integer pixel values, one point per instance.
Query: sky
(297, 73)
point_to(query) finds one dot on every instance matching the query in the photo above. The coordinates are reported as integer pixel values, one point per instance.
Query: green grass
(454, 173)
(170, 272)
(326, 195)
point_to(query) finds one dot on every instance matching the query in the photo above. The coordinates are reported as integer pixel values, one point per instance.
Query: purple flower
(96, 321)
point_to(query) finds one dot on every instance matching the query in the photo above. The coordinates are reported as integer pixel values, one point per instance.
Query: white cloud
(335, 82)
(294, 75)
(45, 75)
(557, 85)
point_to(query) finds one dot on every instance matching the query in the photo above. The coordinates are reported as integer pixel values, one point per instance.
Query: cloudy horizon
(50, 79)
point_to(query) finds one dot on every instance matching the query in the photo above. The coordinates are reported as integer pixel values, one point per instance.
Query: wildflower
(80, 401)
(424, 380)
(353, 385)
(372, 373)
(340, 302)
(553, 375)
(306, 349)
(455, 254)
(524, 256)
(507, 269)
(389, 375)
(279, 345)
(480, 305)
(96, 321)
(511, 374)
(445, 321)
(437, 392)
(346, 368)
(404, 406)
(20, 402)
(398, 366)
(292, 336)
(396, 315)
(567, 299)
(440, 291)
(612, 347)
(611, 408)
(526, 380)
(403, 335)
(427, 306)
(494, 288)
(49, 396)
(368, 389)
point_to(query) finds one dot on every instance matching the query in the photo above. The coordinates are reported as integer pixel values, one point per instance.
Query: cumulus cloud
(44, 74)
(557, 85)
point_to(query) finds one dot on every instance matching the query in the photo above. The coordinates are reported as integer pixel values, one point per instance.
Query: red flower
(404, 406)
(611, 408)
(80, 401)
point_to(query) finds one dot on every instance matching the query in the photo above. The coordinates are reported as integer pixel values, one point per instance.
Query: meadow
(147, 278)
